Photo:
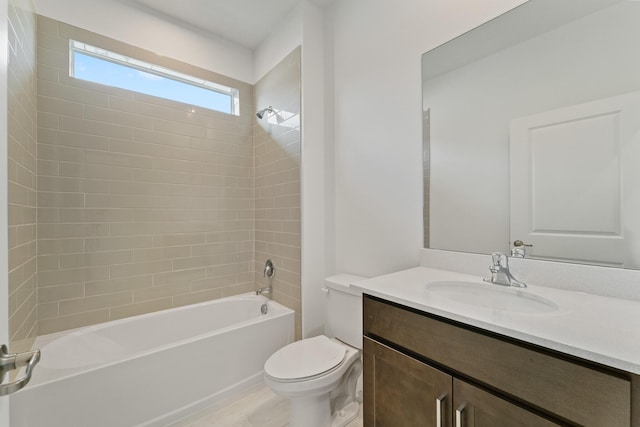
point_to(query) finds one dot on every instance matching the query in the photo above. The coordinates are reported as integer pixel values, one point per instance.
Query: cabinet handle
(459, 414)
(439, 402)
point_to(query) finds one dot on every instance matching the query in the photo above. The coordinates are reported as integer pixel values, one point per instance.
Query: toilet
(320, 375)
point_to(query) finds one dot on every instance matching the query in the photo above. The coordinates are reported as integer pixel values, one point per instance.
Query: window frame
(158, 70)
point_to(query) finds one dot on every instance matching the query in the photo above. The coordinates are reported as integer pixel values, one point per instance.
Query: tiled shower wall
(21, 165)
(277, 181)
(142, 204)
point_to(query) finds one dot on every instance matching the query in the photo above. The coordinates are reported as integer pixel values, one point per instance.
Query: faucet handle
(500, 260)
(269, 269)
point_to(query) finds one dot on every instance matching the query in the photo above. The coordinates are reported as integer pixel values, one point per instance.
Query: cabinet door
(474, 407)
(400, 391)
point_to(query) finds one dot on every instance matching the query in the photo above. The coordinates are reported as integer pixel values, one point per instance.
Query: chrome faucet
(269, 272)
(500, 274)
(269, 269)
(265, 290)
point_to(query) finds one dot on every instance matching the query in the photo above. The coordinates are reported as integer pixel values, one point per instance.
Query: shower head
(260, 113)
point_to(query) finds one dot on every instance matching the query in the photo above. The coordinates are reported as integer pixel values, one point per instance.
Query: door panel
(400, 391)
(568, 169)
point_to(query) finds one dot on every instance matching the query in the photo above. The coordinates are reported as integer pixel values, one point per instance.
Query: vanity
(536, 357)
(531, 140)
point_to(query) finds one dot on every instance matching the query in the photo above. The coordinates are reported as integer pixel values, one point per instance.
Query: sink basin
(493, 297)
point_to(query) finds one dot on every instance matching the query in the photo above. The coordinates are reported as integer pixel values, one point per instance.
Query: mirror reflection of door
(568, 173)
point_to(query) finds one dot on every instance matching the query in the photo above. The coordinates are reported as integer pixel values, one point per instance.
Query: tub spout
(265, 290)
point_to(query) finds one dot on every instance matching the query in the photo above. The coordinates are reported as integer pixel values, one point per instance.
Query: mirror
(531, 128)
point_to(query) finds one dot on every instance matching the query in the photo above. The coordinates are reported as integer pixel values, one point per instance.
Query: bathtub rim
(72, 372)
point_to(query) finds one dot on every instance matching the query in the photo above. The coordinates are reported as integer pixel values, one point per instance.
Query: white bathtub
(153, 369)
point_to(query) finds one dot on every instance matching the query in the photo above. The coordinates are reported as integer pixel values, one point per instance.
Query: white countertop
(600, 329)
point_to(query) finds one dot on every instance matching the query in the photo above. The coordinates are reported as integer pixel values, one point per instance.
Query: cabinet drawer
(568, 390)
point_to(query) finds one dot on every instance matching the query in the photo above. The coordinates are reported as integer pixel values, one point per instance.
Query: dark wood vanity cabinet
(402, 391)
(477, 408)
(421, 370)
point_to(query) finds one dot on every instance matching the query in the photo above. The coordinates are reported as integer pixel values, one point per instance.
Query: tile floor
(257, 407)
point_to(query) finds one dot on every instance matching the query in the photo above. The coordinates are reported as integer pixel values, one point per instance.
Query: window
(113, 69)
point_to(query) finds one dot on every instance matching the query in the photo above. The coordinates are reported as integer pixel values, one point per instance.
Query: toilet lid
(306, 358)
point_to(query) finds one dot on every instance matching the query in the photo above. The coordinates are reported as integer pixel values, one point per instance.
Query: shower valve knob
(269, 269)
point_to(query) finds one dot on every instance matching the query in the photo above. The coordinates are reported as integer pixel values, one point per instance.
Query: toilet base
(311, 411)
(315, 412)
(345, 415)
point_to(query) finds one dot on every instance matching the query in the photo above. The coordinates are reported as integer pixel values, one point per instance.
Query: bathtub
(153, 369)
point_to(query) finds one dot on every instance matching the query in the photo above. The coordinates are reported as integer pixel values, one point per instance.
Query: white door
(568, 173)
(4, 289)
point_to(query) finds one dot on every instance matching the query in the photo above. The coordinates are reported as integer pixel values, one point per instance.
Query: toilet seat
(305, 359)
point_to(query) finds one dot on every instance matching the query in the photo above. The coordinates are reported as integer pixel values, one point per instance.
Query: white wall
(126, 23)
(282, 40)
(305, 26)
(314, 168)
(376, 50)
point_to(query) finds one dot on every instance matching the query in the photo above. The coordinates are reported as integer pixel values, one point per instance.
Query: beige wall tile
(53, 152)
(180, 276)
(63, 292)
(113, 243)
(22, 174)
(159, 292)
(71, 185)
(176, 128)
(178, 239)
(62, 231)
(20, 255)
(48, 73)
(68, 215)
(47, 167)
(48, 262)
(214, 283)
(140, 268)
(145, 206)
(82, 305)
(141, 255)
(48, 310)
(277, 184)
(60, 246)
(50, 89)
(70, 169)
(117, 117)
(140, 308)
(139, 108)
(117, 285)
(196, 297)
(72, 275)
(71, 139)
(51, 58)
(60, 323)
(161, 138)
(46, 199)
(60, 107)
(117, 159)
(96, 258)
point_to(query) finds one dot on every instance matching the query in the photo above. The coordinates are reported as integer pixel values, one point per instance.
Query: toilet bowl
(319, 375)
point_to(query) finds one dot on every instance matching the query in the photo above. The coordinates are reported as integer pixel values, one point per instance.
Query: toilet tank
(344, 309)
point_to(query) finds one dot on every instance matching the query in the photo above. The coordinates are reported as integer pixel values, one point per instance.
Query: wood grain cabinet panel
(403, 392)
(560, 387)
(477, 408)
